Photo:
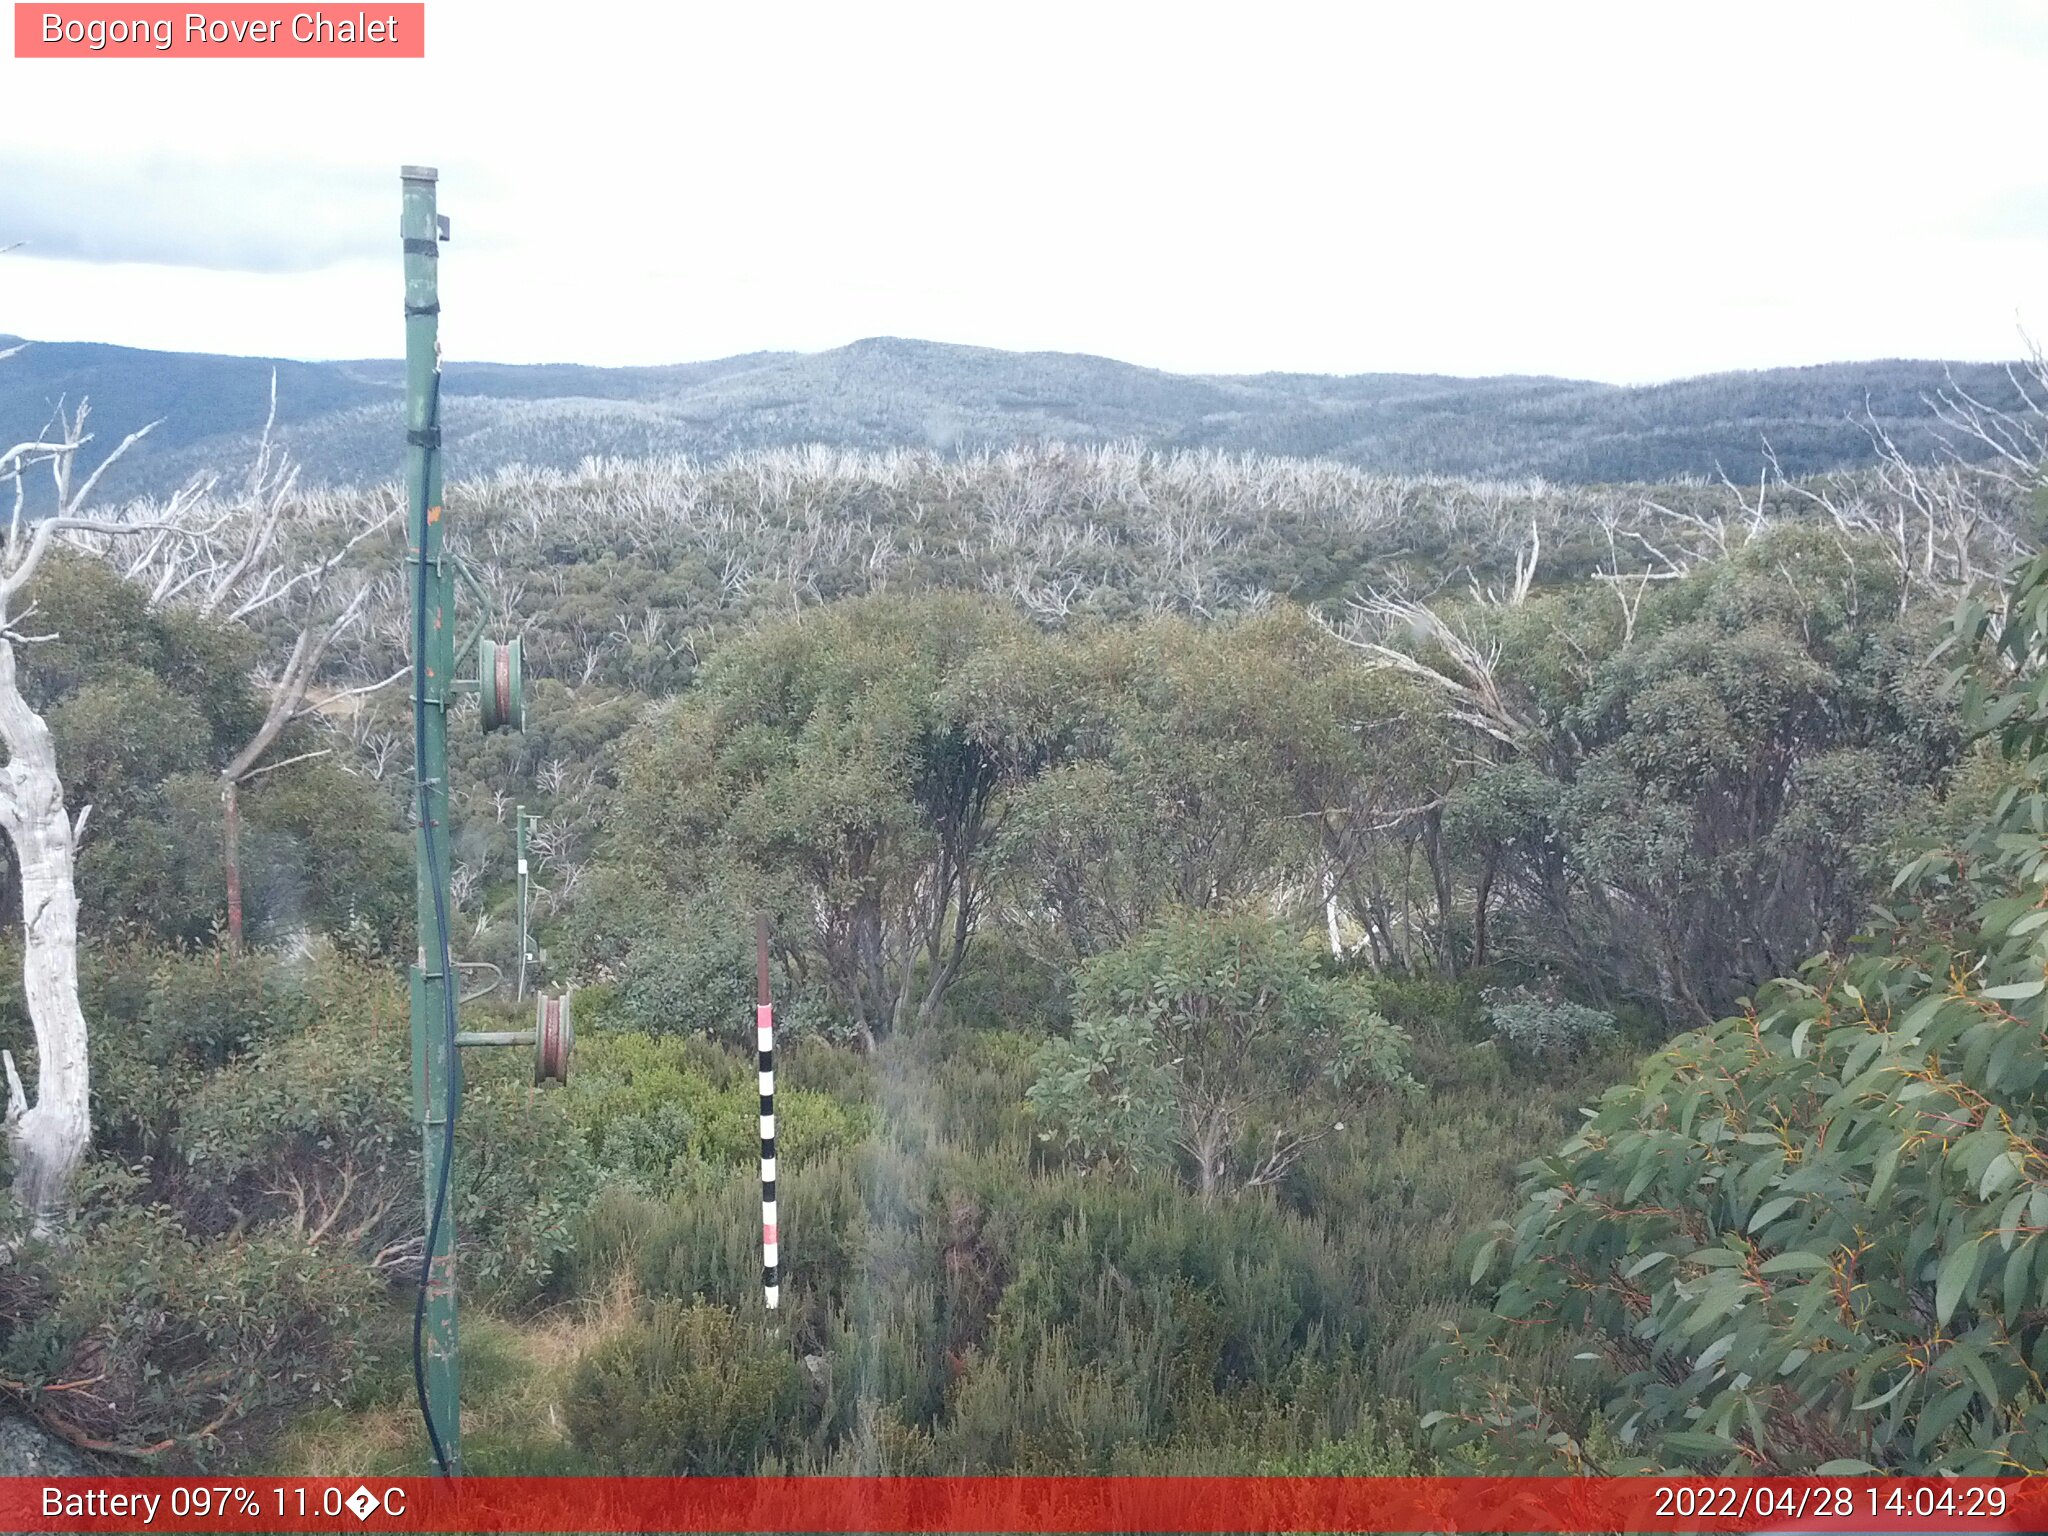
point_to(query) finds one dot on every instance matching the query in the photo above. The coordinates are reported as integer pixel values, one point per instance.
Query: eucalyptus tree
(1209, 1043)
(1208, 766)
(1735, 771)
(1677, 794)
(847, 768)
(1814, 1237)
(279, 563)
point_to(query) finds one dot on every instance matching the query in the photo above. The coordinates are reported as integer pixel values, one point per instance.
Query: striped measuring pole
(764, 1040)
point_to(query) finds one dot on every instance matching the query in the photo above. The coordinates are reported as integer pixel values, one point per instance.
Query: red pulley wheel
(500, 690)
(553, 1035)
(501, 685)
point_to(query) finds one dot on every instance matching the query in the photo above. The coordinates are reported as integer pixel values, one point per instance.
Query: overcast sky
(1624, 192)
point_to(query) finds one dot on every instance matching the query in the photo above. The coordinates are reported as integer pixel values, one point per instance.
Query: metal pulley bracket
(501, 685)
(497, 978)
(552, 1037)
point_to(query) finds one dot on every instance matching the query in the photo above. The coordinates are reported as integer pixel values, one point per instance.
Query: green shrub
(1372, 1448)
(648, 1103)
(609, 1234)
(1534, 1029)
(1057, 1412)
(707, 1242)
(669, 967)
(317, 1131)
(1809, 1238)
(325, 850)
(1194, 1298)
(1210, 1043)
(1003, 985)
(689, 1389)
(948, 1088)
(1431, 1006)
(314, 1131)
(163, 1020)
(139, 1334)
(524, 1177)
(232, 1275)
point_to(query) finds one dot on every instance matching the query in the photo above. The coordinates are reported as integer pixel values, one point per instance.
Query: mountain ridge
(341, 418)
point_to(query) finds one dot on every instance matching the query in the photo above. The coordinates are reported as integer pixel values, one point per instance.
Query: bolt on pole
(432, 582)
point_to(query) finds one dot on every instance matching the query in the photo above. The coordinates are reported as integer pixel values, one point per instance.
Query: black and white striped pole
(764, 1042)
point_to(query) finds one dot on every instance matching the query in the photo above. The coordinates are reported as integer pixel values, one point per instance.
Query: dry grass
(516, 1371)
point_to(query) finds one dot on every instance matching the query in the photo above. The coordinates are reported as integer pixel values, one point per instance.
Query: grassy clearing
(516, 1371)
(960, 1298)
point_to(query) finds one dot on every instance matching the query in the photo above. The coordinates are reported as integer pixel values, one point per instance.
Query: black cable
(425, 796)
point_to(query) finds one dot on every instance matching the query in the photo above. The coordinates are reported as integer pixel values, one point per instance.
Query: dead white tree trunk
(48, 1137)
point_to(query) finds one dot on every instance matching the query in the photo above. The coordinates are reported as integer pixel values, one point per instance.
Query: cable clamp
(430, 438)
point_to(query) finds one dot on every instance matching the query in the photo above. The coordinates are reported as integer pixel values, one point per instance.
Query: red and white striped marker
(764, 1041)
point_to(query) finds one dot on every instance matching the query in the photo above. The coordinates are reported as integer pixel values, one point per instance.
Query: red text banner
(225, 31)
(1017, 1504)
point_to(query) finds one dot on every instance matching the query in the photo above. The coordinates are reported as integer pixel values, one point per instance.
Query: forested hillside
(1205, 888)
(340, 419)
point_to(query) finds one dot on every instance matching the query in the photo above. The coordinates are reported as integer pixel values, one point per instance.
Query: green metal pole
(433, 1060)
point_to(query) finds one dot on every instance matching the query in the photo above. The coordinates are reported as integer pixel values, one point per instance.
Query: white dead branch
(49, 1135)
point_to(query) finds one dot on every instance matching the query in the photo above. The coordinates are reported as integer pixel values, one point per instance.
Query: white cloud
(1612, 191)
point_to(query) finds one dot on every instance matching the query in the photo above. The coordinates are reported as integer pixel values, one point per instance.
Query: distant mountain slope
(342, 419)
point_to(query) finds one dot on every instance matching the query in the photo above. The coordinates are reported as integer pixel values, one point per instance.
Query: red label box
(1077, 1506)
(375, 30)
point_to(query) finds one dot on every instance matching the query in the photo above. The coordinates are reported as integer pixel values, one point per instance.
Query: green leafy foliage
(254, 1193)
(261, 1090)
(667, 962)
(1200, 764)
(1700, 790)
(648, 1104)
(1092, 880)
(957, 1300)
(1811, 1236)
(1536, 1029)
(841, 768)
(146, 706)
(1210, 1039)
(322, 852)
